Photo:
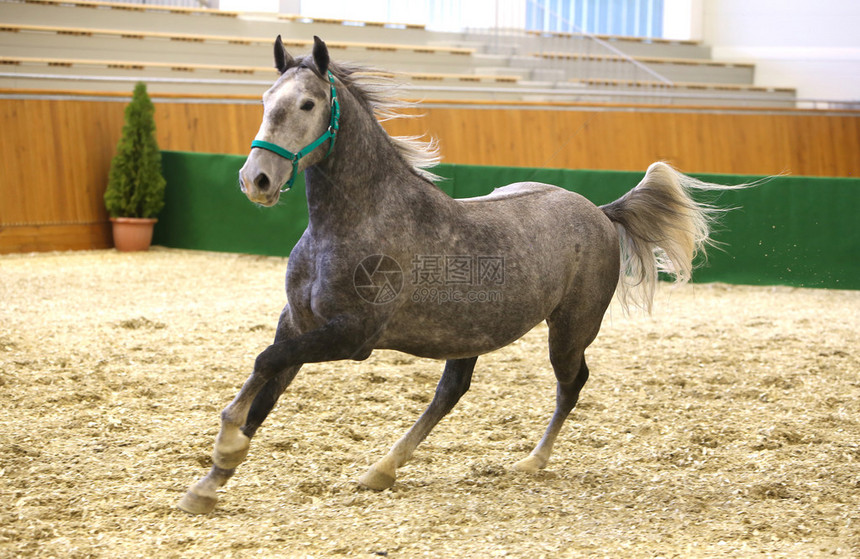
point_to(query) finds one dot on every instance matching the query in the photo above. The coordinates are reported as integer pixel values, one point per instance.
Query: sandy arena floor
(725, 425)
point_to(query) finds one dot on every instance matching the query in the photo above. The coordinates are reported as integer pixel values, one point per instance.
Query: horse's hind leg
(455, 382)
(239, 421)
(568, 362)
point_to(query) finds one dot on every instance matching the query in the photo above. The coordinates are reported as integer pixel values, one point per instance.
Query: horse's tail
(661, 229)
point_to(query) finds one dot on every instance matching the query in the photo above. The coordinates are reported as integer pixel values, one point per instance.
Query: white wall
(812, 45)
(411, 11)
(248, 5)
(448, 15)
(682, 19)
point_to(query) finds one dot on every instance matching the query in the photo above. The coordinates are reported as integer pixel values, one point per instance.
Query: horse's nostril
(262, 181)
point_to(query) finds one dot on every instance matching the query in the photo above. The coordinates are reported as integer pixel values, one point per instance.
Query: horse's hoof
(192, 503)
(531, 464)
(376, 480)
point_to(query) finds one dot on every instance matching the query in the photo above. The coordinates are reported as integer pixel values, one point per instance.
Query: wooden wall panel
(55, 154)
(209, 128)
(38, 238)
(706, 142)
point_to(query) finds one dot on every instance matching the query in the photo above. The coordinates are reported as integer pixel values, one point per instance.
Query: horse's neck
(364, 178)
(340, 202)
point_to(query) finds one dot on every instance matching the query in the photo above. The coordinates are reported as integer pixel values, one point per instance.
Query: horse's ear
(283, 60)
(321, 58)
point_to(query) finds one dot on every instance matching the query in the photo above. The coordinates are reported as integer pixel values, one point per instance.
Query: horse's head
(300, 121)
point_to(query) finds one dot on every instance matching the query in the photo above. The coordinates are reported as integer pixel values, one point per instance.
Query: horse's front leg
(239, 421)
(274, 370)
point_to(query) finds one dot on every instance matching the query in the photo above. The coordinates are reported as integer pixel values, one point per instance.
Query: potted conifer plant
(135, 190)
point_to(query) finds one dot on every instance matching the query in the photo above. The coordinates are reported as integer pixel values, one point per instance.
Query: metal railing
(436, 93)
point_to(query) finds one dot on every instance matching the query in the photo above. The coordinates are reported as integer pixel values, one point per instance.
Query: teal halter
(329, 134)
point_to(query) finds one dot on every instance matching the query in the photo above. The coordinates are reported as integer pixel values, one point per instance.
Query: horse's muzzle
(259, 191)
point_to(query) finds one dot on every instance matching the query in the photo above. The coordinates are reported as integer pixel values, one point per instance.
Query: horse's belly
(448, 322)
(454, 341)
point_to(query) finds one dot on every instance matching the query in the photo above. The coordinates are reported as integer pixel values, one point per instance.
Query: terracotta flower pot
(132, 233)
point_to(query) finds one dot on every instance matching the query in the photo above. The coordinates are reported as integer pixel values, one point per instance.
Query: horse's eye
(307, 105)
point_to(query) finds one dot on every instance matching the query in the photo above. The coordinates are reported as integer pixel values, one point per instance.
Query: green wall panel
(798, 231)
(205, 210)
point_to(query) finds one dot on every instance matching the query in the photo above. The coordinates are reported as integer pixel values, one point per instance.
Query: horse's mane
(377, 92)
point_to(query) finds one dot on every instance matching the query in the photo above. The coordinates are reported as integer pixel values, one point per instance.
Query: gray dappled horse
(547, 254)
